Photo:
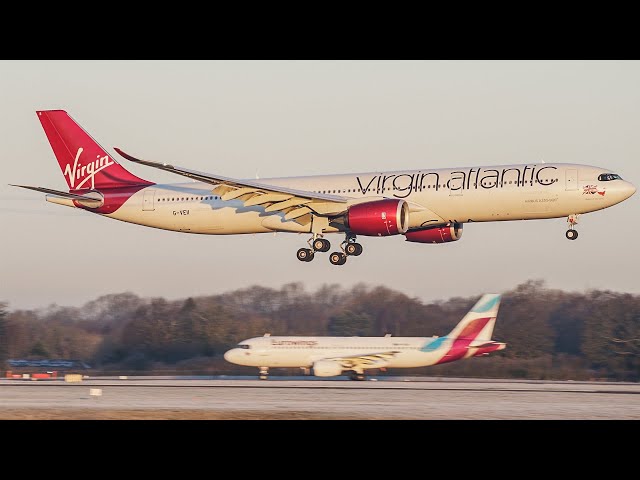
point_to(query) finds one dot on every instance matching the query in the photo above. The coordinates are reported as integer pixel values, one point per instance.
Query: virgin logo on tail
(86, 172)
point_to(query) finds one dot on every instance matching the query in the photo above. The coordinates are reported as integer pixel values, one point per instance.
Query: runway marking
(351, 388)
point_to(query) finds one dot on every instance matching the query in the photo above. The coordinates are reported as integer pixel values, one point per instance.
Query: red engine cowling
(379, 218)
(436, 234)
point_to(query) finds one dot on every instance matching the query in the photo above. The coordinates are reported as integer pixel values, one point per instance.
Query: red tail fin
(84, 164)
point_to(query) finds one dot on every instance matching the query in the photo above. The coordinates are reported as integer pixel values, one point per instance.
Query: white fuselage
(435, 197)
(303, 352)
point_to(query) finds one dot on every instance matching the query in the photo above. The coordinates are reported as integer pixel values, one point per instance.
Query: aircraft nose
(630, 189)
(231, 355)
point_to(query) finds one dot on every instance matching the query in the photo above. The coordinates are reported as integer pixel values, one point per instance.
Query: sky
(272, 118)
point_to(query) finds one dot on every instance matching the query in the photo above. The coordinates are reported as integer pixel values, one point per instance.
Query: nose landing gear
(572, 233)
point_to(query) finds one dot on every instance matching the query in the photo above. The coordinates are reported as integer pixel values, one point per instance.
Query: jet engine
(379, 218)
(326, 368)
(446, 234)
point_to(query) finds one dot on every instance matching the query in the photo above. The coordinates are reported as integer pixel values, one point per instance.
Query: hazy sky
(290, 118)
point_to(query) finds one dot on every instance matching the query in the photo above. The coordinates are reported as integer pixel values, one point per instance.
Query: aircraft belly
(424, 218)
(476, 206)
(414, 358)
(510, 203)
(226, 221)
(191, 218)
(274, 222)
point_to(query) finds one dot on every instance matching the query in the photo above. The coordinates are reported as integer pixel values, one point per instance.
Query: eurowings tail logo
(84, 173)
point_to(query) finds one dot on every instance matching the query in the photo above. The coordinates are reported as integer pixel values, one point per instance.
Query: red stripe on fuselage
(114, 198)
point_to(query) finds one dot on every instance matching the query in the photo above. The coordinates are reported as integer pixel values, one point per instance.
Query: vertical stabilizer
(84, 163)
(479, 322)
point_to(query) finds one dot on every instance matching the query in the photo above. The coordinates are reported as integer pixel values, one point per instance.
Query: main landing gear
(264, 373)
(317, 244)
(349, 247)
(572, 233)
(359, 376)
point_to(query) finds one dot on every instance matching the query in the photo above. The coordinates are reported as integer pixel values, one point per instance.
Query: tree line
(550, 334)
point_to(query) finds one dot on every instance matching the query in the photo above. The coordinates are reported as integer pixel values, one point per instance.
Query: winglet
(126, 155)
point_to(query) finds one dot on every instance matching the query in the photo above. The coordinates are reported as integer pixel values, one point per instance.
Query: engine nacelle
(379, 218)
(327, 368)
(436, 234)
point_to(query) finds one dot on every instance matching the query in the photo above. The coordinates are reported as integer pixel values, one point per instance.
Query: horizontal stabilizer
(93, 202)
(485, 344)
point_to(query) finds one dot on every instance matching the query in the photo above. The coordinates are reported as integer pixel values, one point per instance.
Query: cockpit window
(244, 345)
(605, 177)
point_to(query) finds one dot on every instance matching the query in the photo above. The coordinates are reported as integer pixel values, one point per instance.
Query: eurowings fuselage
(389, 351)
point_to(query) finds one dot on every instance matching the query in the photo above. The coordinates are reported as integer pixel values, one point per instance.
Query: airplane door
(572, 179)
(147, 200)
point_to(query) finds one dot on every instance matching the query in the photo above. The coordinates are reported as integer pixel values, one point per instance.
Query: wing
(296, 204)
(367, 360)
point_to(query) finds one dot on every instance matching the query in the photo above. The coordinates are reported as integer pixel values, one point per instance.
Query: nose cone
(619, 192)
(231, 356)
(625, 190)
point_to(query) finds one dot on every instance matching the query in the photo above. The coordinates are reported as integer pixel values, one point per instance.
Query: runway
(389, 398)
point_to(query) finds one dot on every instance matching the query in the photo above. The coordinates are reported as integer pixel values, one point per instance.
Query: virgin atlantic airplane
(426, 206)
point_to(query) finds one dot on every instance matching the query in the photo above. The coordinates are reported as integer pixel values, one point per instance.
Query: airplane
(424, 206)
(331, 356)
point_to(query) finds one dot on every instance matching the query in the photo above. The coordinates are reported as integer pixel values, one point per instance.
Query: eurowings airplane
(425, 206)
(330, 356)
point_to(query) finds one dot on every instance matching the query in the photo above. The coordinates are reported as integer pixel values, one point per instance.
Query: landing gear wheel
(321, 245)
(338, 258)
(305, 254)
(571, 234)
(354, 249)
(357, 376)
